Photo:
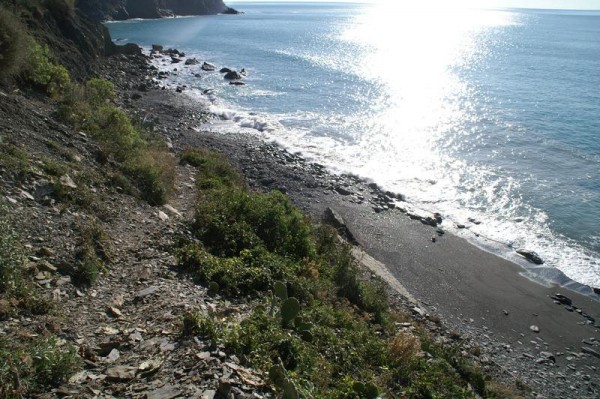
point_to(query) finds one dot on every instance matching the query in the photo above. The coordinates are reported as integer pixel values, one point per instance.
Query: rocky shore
(127, 327)
(545, 337)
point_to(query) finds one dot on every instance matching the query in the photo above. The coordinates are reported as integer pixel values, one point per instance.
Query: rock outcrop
(124, 9)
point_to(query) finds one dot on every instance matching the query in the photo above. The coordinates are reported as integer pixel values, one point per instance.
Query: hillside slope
(125, 9)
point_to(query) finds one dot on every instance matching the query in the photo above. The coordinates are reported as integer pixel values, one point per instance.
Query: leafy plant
(53, 363)
(29, 367)
(143, 161)
(214, 171)
(45, 72)
(99, 91)
(229, 221)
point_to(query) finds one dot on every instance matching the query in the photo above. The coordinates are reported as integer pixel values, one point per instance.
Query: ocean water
(490, 117)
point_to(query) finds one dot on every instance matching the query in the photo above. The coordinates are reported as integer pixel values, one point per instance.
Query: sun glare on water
(412, 52)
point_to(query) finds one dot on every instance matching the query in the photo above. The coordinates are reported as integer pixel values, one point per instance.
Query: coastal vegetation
(319, 327)
(143, 159)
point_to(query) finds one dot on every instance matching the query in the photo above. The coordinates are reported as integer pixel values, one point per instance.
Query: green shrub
(73, 107)
(53, 363)
(231, 220)
(368, 296)
(451, 354)
(214, 170)
(144, 162)
(13, 44)
(153, 173)
(54, 168)
(30, 367)
(196, 324)
(433, 379)
(14, 159)
(45, 72)
(343, 349)
(114, 129)
(99, 91)
(234, 276)
(193, 156)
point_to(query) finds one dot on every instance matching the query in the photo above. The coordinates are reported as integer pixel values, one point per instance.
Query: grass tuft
(34, 367)
(91, 254)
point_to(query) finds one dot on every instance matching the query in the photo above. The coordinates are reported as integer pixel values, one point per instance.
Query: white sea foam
(414, 126)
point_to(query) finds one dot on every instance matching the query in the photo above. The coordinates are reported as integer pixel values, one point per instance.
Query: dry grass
(403, 348)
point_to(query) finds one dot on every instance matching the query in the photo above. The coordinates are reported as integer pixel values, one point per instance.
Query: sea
(490, 117)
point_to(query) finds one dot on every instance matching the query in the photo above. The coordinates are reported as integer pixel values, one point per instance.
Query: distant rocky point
(102, 10)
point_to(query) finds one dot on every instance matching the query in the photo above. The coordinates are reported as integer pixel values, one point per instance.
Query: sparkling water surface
(486, 115)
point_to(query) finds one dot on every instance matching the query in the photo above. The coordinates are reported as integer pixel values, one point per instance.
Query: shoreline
(473, 292)
(547, 276)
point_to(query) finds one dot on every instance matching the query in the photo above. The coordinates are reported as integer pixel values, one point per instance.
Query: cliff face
(124, 9)
(76, 41)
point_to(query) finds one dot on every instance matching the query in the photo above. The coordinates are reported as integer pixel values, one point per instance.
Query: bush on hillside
(230, 221)
(91, 254)
(13, 44)
(152, 171)
(144, 161)
(29, 367)
(99, 91)
(214, 170)
(42, 70)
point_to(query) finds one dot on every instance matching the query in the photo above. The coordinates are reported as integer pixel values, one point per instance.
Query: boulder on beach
(191, 61)
(157, 48)
(237, 83)
(225, 70)
(562, 299)
(175, 60)
(129, 49)
(172, 52)
(232, 75)
(208, 67)
(530, 256)
(335, 220)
